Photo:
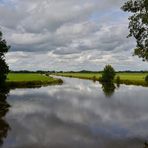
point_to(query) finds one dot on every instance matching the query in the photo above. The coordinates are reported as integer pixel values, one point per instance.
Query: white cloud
(91, 60)
(76, 34)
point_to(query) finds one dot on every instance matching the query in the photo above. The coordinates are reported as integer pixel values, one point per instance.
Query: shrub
(146, 79)
(118, 80)
(47, 74)
(94, 78)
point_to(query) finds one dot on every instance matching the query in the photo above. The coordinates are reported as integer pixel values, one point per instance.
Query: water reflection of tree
(4, 108)
(145, 145)
(108, 89)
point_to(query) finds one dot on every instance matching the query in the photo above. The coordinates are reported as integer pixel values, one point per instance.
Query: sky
(67, 35)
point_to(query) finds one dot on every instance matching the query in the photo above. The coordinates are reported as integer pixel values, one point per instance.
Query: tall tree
(138, 25)
(4, 69)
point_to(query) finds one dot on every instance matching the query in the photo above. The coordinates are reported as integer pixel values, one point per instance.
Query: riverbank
(125, 78)
(28, 80)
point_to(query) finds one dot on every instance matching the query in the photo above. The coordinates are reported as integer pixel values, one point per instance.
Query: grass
(125, 78)
(23, 80)
(133, 78)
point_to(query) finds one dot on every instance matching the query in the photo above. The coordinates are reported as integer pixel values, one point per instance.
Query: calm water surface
(77, 114)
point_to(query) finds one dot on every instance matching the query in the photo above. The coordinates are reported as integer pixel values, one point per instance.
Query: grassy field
(22, 80)
(126, 78)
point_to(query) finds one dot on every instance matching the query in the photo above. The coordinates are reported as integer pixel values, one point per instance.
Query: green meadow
(21, 80)
(125, 78)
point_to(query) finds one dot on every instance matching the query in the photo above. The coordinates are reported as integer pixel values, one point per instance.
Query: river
(77, 114)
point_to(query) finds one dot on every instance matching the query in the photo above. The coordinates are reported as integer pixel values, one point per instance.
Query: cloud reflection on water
(78, 114)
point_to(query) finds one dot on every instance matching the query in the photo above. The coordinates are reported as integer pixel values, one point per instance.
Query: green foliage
(138, 25)
(94, 78)
(118, 80)
(4, 69)
(146, 79)
(108, 74)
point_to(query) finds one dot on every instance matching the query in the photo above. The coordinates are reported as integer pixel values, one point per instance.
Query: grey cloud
(91, 60)
(66, 34)
(100, 37)
(71, 38)
(50, 24)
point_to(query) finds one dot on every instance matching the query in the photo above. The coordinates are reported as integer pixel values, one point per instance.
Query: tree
(108, 74)
(4, 69)
(138, 25)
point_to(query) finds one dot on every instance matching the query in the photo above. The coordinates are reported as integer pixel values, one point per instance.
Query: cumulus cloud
(32, 23)
(77, 34)
(90, 60)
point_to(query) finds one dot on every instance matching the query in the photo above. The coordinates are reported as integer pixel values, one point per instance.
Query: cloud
(85, 33)
(90, 60)
(30, 25)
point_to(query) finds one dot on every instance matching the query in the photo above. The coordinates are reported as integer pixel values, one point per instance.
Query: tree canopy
(108, 74)
(4, 69)
(138, 25)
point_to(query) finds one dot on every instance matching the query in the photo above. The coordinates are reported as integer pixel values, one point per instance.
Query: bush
(146, 79)
(108, 74)
(47, 74)
(118, 80)
(94, 78)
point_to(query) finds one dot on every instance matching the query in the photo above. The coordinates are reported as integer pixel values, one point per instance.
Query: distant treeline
(26, 71)
(128, 71)
(86, 71)
(82, 71)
